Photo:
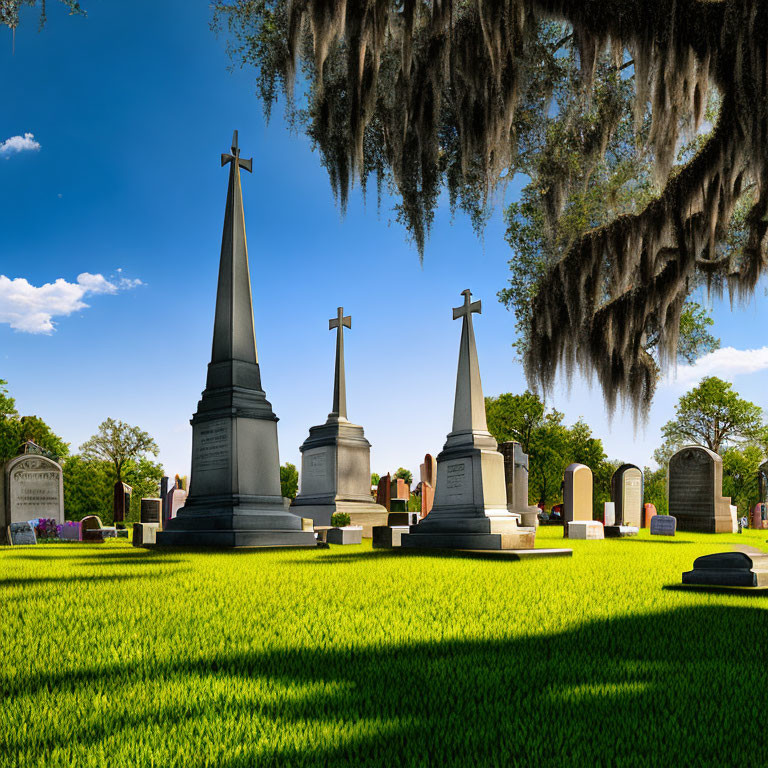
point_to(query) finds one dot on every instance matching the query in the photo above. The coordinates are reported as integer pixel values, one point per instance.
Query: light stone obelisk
(234, 497)
(470, 509)
(336, 458)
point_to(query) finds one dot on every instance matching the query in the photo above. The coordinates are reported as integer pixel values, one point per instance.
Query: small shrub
(340, 519)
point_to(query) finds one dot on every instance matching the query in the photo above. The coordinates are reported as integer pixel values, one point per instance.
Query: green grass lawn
(114, 656)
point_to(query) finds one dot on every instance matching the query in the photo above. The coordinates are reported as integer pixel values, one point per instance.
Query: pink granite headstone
(649, 511)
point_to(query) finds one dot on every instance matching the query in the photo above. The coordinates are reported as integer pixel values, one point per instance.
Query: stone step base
(491, 541)
(228, 539)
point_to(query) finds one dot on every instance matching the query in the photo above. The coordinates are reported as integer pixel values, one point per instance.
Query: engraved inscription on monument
(316, 465)
(34, 489)
(691, 482)
(457, 481)
(212, 446)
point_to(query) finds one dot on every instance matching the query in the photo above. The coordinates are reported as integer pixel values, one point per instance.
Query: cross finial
(339, 322)
(235, 156)
(468, 307)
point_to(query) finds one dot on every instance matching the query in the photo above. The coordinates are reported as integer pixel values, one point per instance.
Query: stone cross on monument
(338, 323)
(246, 164)
(469, 405)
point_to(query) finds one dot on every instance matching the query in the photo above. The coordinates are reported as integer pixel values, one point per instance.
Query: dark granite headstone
(729, 569)
(695, 480)
(122, 503)
(627, 495)
(21, 533)
(384, 492)
(663, 525)
(151, 510)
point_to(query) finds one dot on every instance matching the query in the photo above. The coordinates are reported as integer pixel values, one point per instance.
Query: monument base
(697, 524)
(227, 525)
(366, 514)
(620, 531)
(517, 538)
(729, 569)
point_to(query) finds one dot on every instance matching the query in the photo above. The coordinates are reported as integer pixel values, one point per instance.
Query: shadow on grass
(398, 553)
(678, 685)
(659, 541)
(61, 580)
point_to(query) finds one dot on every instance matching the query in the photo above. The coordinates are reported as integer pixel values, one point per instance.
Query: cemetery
(548, 588)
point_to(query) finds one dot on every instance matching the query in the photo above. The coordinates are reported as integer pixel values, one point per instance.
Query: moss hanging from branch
(426, 93)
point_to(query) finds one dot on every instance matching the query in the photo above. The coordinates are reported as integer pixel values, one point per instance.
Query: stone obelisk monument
(336, 458)
(234, 497)
(470, 509)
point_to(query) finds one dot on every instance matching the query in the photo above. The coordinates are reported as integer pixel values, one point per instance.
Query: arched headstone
(577, 494)
(34, 489)
(695, 480)
(627, 495)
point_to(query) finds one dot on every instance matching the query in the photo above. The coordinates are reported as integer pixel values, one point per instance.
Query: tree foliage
(9, 10)
(89, 486)
(289, 480)
(424, 95)
(713, 415)
(403, 474)
(550, 444)
(118, 442)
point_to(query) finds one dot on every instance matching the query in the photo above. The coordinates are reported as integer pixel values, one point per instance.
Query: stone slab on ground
(501, 554)
(729, 569)
(388, 536)
(349, 534)
(585, 529)
(620, 531)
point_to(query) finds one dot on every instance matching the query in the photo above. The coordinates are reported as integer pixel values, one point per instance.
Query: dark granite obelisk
(234, 496)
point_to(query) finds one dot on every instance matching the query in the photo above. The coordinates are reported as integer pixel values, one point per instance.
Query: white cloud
(726, 363)
(31, 309)
(17, 144)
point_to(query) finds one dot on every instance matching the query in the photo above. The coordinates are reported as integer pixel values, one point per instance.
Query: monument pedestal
(335, 477)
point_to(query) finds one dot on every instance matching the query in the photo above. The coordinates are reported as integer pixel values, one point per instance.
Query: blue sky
(129, 111)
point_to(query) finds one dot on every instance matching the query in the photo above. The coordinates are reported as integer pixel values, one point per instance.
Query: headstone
(577, 495)
(663, 525)
(627, 495)
(757, 516)
(177, 498)
(383, 497)
(388, 536)
(70, 531)
(734, 518)
(145, 533)
(33, 488)
(122, 501)
(164, 488)
(695, 480)
(428, 480)
(609, 513)
(516, 479)
(649, 511)
(234, 497)
(21, 533)
(151, 511)
(470, 510)
(400, 489)
(403, 518)
(91, 529)
(729, 569)
(585, 529)
(336, 458)
(348, 534)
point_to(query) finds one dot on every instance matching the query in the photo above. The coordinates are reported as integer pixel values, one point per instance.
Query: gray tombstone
(336, 459)
(695, 481)
(516, 478)
(234, 495)
(627, 495)
(33, 488)
(21, 533)
(663, 525)
(151, 510)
